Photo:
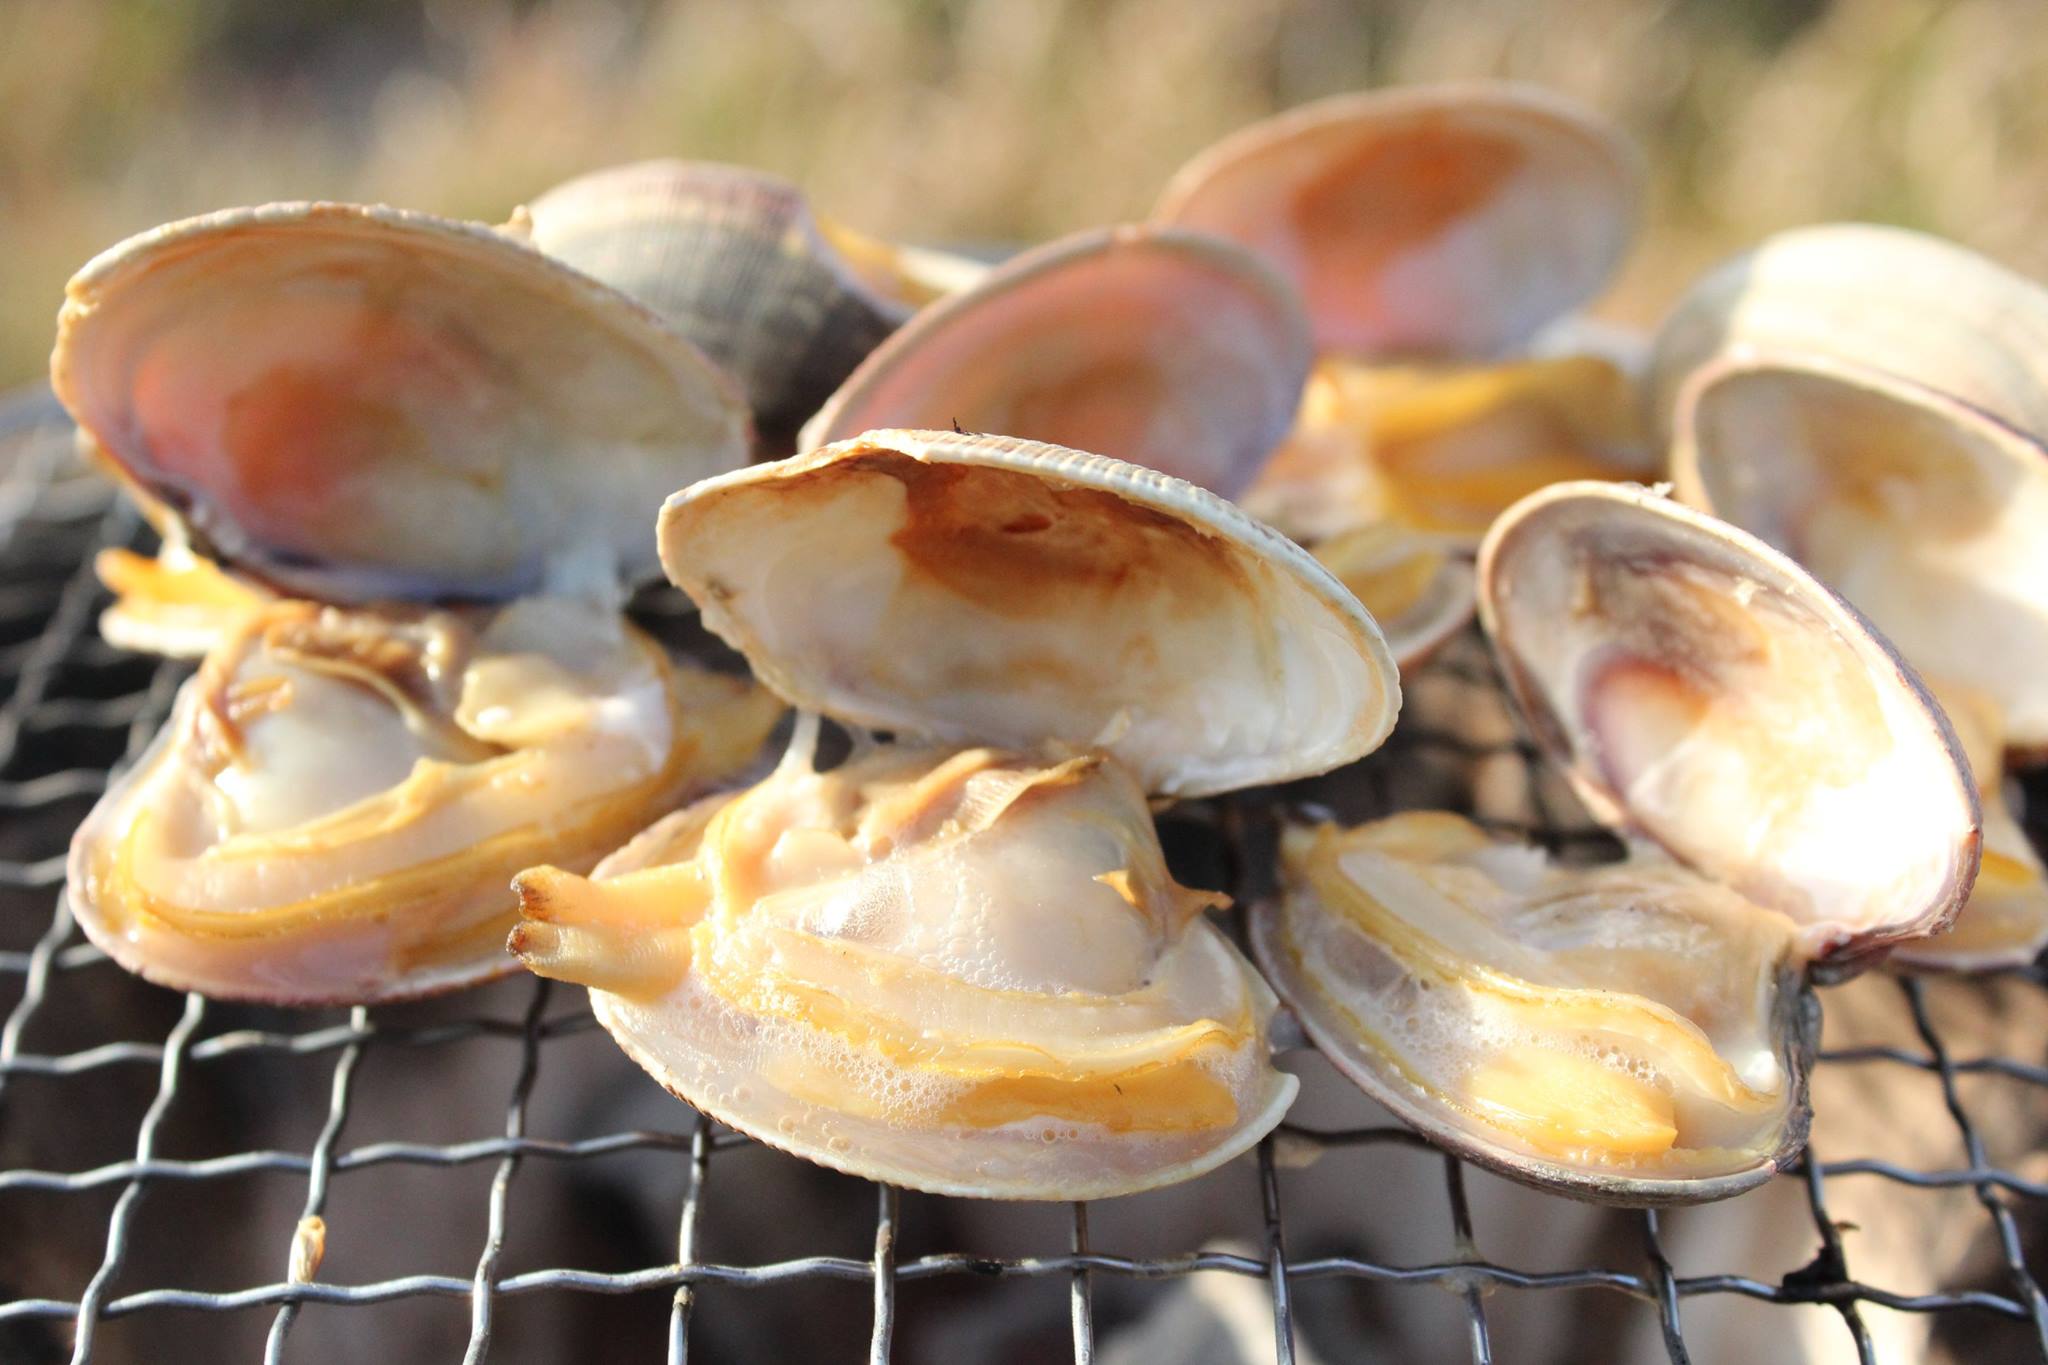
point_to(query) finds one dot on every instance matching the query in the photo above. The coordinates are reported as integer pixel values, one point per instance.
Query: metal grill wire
(52, 515)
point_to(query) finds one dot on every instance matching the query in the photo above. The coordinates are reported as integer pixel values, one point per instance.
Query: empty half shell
(361, 404)
(739, 263)
(1926, 513)
(962, 971)
(1449, 221)
(1635, 1033)
(1169, 349)
(335, 808)
(985, 590)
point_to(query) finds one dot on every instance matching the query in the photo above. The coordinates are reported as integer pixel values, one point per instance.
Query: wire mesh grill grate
(75, 706)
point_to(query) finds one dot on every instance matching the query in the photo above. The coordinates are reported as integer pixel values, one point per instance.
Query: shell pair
(421, 451)
(956, 961)
(1638, 1032)
(1892, 440)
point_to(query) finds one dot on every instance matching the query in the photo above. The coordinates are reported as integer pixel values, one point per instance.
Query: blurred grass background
(983, 119)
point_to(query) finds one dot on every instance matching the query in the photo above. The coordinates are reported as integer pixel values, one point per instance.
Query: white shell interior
(1173, 350)
(1440, 221)
(1921, 510)
(1006, 592)
(361, 403)
(1704, 689)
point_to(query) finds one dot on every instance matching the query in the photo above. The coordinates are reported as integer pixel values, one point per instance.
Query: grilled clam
(379, 417)
(958, 962)
(1441, 235)
(1637, 1033)
(1169, 349)
(1925, 512)
(735, 258)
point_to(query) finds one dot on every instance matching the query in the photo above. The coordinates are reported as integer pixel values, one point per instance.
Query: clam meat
(368, 436)
(1637, 1032)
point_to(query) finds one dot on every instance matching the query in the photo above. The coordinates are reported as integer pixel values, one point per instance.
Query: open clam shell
(956, 967)
(738, 262)
(1924, 512)
(1919, 508)
(339, 799)
(361, 404)
(1636, 1032)
(997, 591)
(1888, 298)
(1164, 348)
(1700, 688)
(1428, 221)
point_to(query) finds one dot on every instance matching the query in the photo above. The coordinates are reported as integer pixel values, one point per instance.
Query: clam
(1170, 349)
(737, 260)
(1442, 237)
(957, 961)
(1925, 512)
(426, 445)
(1637, 1032)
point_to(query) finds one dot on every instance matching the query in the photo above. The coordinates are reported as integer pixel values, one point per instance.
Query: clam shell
(1169, 349)
(359, 403)
(1446, 220)
(738, 262)
(997, 591)
(1899, 301)
(1700, 687)
(1919, 508)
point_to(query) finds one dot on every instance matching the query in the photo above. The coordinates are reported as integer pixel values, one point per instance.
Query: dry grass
(992, 119)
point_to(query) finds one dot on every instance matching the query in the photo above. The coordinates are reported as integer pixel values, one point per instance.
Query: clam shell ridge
(1702, 688)
(359, 403)
(996, 591)
(1441, 220)
(1170, 349)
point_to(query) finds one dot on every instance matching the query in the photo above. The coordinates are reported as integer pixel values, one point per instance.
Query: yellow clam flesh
(1635, 1032)
(965, 971)
(340, 797)
(1165, 348)
(957, 961)
(1634, 1020)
